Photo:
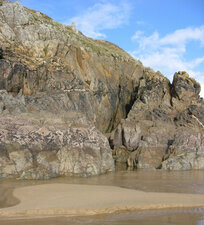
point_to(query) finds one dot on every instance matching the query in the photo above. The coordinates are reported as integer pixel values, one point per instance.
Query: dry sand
(77, 200)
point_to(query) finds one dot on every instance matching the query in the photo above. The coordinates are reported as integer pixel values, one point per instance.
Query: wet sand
(6, 197)
(184, 182)
(146, 217)
(80, 200)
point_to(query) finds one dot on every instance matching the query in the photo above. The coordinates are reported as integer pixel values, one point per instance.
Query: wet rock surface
(62, 94)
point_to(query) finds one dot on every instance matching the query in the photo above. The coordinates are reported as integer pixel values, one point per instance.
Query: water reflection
(156, 181)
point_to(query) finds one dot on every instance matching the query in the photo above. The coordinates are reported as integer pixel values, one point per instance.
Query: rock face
(52, 77)
(32, 150)
(61, 92)
(41, 56)
(186, 152)
(165, 127)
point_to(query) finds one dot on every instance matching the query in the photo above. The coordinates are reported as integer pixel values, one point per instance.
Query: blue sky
(167, 35)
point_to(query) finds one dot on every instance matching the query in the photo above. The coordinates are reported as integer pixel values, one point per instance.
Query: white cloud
(167, 53)
(101, 16)
(180, 37)
(138, 35)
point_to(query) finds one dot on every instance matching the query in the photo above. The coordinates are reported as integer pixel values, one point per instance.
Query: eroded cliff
(58, 88)
(165, 127)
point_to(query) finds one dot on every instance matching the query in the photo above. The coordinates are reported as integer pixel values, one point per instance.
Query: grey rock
(186, 152)
(170, 118)
(150, 157)
(121, 154)
(59, 91)
(32, 150)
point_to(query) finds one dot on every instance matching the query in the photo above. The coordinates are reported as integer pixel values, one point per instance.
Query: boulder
(150, 157)
(186, 152)
(184, 87)
(120, 154)
(32, 150)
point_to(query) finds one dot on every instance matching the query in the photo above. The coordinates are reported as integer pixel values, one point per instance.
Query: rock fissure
(1, 53)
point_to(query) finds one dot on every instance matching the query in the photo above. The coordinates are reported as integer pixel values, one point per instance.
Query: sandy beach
(78, 200)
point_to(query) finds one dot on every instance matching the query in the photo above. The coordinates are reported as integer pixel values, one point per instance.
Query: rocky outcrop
(32, 149)
(165, 127)
(52, 74)
(186, 152)
(93, 77)
(61, 92)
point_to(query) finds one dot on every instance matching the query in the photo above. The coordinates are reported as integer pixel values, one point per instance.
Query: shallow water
(154, 181)
(161, 217)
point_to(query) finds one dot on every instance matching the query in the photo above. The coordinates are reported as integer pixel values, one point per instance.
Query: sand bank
(77, 200)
